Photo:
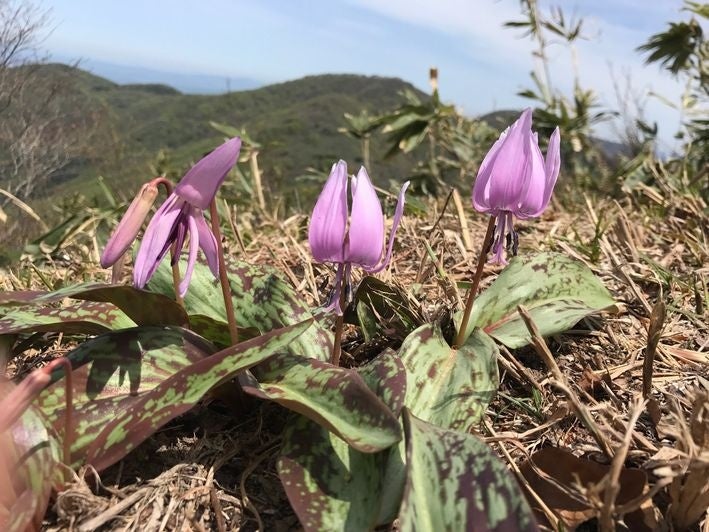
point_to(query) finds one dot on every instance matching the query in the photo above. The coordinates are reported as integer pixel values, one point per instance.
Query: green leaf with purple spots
(262, 301)
(332, 486)
(30, 457)
(557, 291)
(334, 397)
(127, 384)
(85, 317)
(449, 387)
(455, 482)
(142, 307)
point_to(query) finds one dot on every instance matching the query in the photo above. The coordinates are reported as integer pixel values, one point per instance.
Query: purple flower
(515, 180)
(361, 242)
(181, 215)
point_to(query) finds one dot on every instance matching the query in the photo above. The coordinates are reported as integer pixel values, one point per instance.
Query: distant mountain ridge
(192, 83)
(296, 123)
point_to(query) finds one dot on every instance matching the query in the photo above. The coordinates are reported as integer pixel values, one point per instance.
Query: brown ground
(653, 248)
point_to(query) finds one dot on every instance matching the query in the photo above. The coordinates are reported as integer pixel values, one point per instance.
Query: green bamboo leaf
(448, 387)
(332, 486)
(262, 301)
(455, 482)
(334, 397)
(127, 384)
(557, 291)
(86, 317)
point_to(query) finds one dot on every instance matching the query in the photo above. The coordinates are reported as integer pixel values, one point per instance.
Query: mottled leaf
(332, 486)
(448, 387)
(262, 300)
(557, 291)
(336, 398)
(84, 317)
(455, 482)
(127, 384)
(384, 308)
(144, 308)
(29, 460)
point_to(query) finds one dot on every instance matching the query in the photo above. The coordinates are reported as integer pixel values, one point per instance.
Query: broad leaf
(29, 457)
(455, 482)
(557, 291)
(448, 387)
(336, 398)
(332, 486)
(144, 308)
(84, 317)
(386, 309)
(127, 384)
(262, 301)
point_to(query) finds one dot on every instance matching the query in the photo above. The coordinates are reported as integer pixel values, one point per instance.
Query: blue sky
(481, 64)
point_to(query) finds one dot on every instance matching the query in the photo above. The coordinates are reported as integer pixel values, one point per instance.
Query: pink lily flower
(345, 238)
(515, 180)
(181, 215)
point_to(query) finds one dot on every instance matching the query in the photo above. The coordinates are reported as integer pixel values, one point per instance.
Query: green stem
(460, 338)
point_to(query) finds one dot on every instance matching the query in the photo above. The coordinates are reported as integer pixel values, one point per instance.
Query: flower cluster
(347, 223)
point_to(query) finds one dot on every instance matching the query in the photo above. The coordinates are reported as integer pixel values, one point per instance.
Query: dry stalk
(611, 482)
(559, 382)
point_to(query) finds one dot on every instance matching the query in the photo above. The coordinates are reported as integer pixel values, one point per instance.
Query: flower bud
(130, 225)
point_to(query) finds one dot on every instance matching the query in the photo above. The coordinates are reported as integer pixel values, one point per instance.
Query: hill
(296, 122)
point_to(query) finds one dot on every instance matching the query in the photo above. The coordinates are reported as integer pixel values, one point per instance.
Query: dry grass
(581, 391)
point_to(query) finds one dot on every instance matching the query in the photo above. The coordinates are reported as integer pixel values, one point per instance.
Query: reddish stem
(223, 279)
(460, 338)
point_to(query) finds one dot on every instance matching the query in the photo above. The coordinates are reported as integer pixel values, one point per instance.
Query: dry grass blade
(560, 382)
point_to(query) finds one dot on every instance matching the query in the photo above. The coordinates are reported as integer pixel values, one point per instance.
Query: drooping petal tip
(200, 184)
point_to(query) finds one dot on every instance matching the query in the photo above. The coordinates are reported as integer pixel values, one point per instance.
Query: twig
(112, 512)
(654, 333)
(611, 481)
(559, 381)
(464, 231)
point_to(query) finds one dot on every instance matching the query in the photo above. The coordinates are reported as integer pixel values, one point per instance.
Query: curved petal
(192, 256)
(395, 225)
(157, 239)
(328, 222)
(366, 234)
(552, 164)
(130, 225)
(531, 202)
(509, 167)
(208, 242)
(481, 191)
(200, 184)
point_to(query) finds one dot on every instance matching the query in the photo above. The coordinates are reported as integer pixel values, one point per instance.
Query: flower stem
(223, 279)
(176, 278)
(460, 338)
(340, 322)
